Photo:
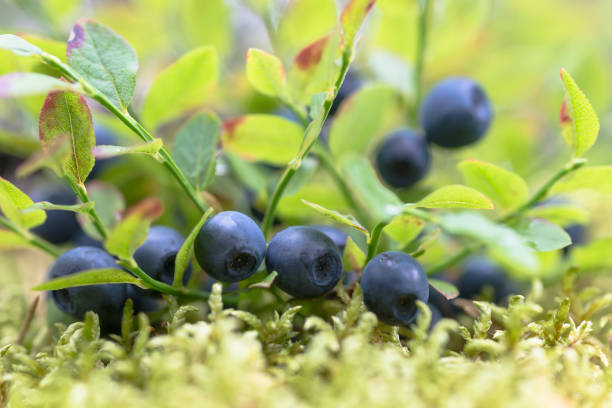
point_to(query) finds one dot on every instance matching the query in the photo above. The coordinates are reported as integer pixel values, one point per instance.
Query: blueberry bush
(305, 203)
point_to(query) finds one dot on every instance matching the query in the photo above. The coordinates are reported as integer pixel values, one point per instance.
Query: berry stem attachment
(131, 123)
(31, 238)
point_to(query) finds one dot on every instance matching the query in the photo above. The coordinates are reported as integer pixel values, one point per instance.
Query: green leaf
(82, 208)
(18, 45)
(446, 289)
(505, 188)
(132, 231)
(11, 240)
(267, 282)
(381, 203)
(109, 204)
(596, 178)
(182, 86)
(353, 258)
(302, 176)
(263, 137)
(266, 73)
(456, 196)
(303, 21)
(150, 149)
(66, 114)
(185, 252)
(312, 132)
(353, 16)
(12, 203)
(404, 228)
(595, 255)
(348, 220)
(359, 120)
(195, 148)
(505, 243)
(579, 122)
(105, 60)
(207, 23)
(560, 214)
(90, 277)
(315, 68)
(20, 84)
(249, 174)
(543, 235)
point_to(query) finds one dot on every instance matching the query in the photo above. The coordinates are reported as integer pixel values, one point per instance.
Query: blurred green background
(514, 48)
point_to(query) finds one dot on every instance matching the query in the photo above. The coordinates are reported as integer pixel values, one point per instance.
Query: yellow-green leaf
(266, 73)
(456, 196)
(12, 203)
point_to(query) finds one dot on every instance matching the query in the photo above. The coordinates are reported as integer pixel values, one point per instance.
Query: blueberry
(335, 234)
(403, 158)
(230, 246)
(352, 82)
(103, 137)
(80, 238)
(456, 112)
(392, 282)
(106, 300)
(578, 234)
(307, 261)
(8, 165)
(480, 273)
(60, 226)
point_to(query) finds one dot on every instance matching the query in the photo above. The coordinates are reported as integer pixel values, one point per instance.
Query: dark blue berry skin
(479, 273)
(8, 164)
(578, 234)
(436, 315)
(106, 300)
(80, 238)
(103, 137)
(60, 226)
(456, 112)
(230, 247)
(403, 158)
(156, 256)
(307, 262)
(392, 282)
(335, 234)
(352, 83)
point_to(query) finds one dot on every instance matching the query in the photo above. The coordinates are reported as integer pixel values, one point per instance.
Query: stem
(425, 7)
(459, 256)
(274, 200)
(131, 123)
(28, 320)
(31, 238)
(81, 192)
(374, 240)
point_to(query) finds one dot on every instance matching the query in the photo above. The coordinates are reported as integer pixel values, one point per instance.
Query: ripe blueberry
(481, 273)
(456, 112)
(106, 300)
(60, 226)
(403, 158)
(307, 262)
(337, 235)
(230, 246)
(392, 282)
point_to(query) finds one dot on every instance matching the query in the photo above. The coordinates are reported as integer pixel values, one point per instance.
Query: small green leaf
(560, 214)
(109, 204)
(302, 21)
(18, 45)
(359, 119)
(66, 114)
(353, 16)
(579, 121)
(82, 208)
(381, 203)
(12, 203)
(266, 73)
(456, 196)
(348, 220)
(353, 258)
(182, 86)
(503, 187)
(185, 252)
(19, 84)
(263, 137)
(596, 178)
(267, 282)
(448, 290)
(404, 228)
(105, 60)
(195, 148)
(132, 231)
(504, 242)
(90, 277)
(543, 235)
(150, 148)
